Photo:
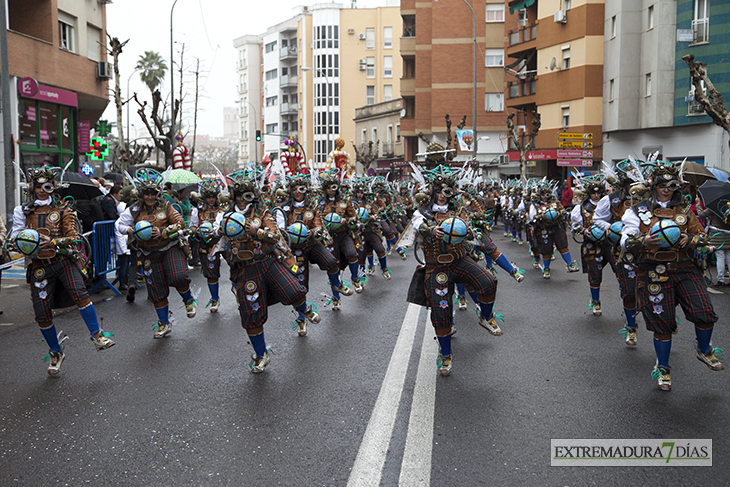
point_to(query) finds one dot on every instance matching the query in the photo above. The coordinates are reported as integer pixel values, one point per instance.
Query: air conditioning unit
(561, 17)
(522, 17)
(350, 31)
(361, 37)
(103, 70)
(362, 67)
(362, 61)
(504, 159)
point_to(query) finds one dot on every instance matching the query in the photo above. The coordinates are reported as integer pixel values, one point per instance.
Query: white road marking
(416, 466)
(368, 467)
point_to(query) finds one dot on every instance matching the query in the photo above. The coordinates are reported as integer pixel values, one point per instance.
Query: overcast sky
(207, 28)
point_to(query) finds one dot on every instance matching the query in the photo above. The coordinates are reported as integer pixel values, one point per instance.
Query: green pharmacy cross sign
(103, 128)
(98, 149)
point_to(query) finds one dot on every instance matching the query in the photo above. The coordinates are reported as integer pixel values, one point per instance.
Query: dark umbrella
(114, 176)
(695, 173)
(80, 186)
(717, 198)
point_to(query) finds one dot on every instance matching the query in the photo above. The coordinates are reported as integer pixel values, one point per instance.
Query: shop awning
(519, 5)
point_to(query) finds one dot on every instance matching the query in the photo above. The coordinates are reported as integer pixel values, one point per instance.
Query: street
(358, 400)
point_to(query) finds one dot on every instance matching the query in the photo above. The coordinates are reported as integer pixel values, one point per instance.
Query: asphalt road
(358, 400)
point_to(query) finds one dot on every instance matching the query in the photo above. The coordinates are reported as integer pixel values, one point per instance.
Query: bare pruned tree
(365, 154)
(712, 101)
(523, 147)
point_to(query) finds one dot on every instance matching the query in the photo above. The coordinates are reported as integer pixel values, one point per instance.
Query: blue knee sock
(371, 260)
(485, 309)
(630, 318)
(258, 343)
(460, 289)
(514, 233)
(354, 270)
(596, 293)
(88, 314)
(546, 263)
(504, 263)
(487, 260)
(392, 242)
(703, 339)
(566, 257)
(445, 344)
(186, 296)
(519, 235)
(51, 338)
(302, 308)
(163, 314)
(213, 291)
(662, 349)
(383, 262)
(335, 282)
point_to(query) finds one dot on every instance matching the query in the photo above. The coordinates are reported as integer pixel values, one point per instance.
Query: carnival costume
(51, 226)
(664, 241)
(164, 262)
(370, 229)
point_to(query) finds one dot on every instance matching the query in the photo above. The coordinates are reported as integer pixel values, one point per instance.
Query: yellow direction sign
(575, 145)
(573, 135)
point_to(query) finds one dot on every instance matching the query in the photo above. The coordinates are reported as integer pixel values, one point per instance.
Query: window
(387, 92)
(494, 57)
(648, 84)
(613, 27)
(271, 101)
(272, 128)
(522, 17)
(370, 69)
(271, 74)
(67, 31)
(387, 66)
(375, 135)
(650, 20)
(493, 102)
(566, 57)
(244, 130)
(364, 136)
(93, 36)
(566, 4)
(270, 47)
(495, 12)
(370, 96)
(566, 116)
(611, 85)
(701, 22)
(397, 132)
(387, 38)
(369, 38)
(389, 139)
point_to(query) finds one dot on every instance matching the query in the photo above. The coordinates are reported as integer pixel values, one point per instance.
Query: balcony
(408, 86)
(521, 35)
(287, 81)
(387, 149)
(288, 108)
(288, 52)
(700, 31)
(408, 46)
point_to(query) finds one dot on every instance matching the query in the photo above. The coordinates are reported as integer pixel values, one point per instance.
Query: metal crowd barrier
(105, 256)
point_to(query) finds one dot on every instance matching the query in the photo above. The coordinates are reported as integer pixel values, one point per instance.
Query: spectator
(720, 239)
(566, 197)
(3, 233)
(110, 202)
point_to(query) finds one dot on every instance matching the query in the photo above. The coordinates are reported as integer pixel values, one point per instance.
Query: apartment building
(58, 77)
(248, 72)
(437, 50)
(648, 98)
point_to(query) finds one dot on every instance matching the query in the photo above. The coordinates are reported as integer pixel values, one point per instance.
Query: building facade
(248, 72)
(379, 139)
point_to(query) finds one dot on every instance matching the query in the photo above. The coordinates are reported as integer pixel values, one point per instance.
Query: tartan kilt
(211, 268)
(555, 236)
(388, 229)
(343, 248)
(486, 245)
(626, 275)
(594, 264)
(439, 291)
(262, 284)
(164, 269)
(685, 287)
(43, 289)
(372, 242)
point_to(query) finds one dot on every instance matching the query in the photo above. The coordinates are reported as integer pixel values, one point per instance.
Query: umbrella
(720, 174)
(80, 186)
(182, 176)
(114, 176)
(717, 197)
(696, 173)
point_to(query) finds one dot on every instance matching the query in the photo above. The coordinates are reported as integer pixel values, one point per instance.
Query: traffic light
(258, 136)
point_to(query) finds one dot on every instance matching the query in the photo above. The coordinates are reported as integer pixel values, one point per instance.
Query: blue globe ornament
(297, 233)
(454, 230)
(551, 214)
(206, 231)
(596, 233)
(143, 230)
(28, 242)
(362, 214)
(332, 221)
(614, 232)
(233, 224)
(668, 232)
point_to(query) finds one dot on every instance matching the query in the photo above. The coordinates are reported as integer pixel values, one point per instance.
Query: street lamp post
(172, 84)
(327, 98)
(128, 80)
(255, 145)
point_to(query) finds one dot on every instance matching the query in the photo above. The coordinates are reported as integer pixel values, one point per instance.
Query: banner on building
(466, 139)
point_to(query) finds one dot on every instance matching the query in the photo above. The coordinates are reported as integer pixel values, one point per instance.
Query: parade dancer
(370, 231)
(307, 243)
(448, 264)
(207, 213)
(258, 272)
(662, 240)
(45, 229)
(595, 248)
(548, 217)
(157, 229)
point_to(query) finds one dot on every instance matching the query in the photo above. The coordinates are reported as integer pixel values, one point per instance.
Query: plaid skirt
(343, 248)
(549, 237)
(263, 283)
(658, 300)
(626, 275)
(43, 280)
(440, 282)
(487, 247)
(388, 229)
(593, 264)
(211, 268)
(371, 243)
(164, 269)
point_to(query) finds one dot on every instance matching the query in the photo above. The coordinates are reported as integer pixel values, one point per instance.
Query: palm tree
(152, 68)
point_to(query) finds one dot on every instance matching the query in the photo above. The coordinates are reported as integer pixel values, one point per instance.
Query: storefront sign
(30, 88)
(84, 133)
(535, 155)
(572, 154)
(575, 162)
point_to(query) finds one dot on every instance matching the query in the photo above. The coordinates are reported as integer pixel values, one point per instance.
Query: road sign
(572, 154)
(575, 162)
(575, 145)
(574, 135)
